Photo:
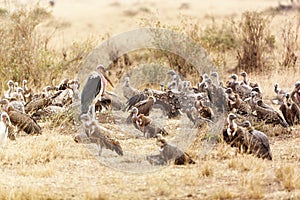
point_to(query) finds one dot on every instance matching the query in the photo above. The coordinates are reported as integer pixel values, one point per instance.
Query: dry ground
(53, 166)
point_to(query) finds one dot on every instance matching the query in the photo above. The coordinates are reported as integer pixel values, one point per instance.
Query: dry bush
(25, 53)
(255, 42)
(186, 42)
(290, 44)
(288, 175)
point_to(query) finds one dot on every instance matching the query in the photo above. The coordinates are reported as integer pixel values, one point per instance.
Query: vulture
(8, 93)
(20, 120)
(246, 81)
(193, 115)
(204, 111)
(216, 76)
(40, 103)
(170, 102)
(137, 98)
(232, 84)
(4, 125)
(94, 88)
(270, 116)
(103, 140)
(280, 95)
(16, 103)
(149, 129)
(295, 94)
(169, 153)
(257, 142)
(241, 106)
(290, 111)
(134, 113)
(234, 135)
(144, 106)
(129, 91)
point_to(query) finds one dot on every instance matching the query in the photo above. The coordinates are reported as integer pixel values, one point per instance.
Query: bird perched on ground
(268, 115)
(8, 93)
(40, 102)
(204, 111)
(20, 120)
(148, 127)
(144, 106)
(103, 140)
(94, 88)
(169, 153)
(4, 125)
(280, 95)
(257, 142)
(234, 135)
(290, 111)
(128, 90)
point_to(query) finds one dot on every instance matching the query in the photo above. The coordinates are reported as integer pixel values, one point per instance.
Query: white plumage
(4, 123)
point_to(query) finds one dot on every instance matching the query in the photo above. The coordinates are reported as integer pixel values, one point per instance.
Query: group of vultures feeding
(238, 100)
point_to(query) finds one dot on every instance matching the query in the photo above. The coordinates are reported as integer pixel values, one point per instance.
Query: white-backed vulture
(257, 142)
(4, 125)
(21, 121)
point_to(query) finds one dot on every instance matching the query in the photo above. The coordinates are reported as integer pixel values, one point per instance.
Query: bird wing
(90, 90)
(105, 140)
(135, 99)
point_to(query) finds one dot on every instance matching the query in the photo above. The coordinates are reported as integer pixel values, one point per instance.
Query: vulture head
(214, 74)
(4, 103)
(10, 83)
(234, 77)
(134, 110)
(243, 74)
(160, 140)
(171, 72)
(247, 125)
(5, 119)
(229, 91)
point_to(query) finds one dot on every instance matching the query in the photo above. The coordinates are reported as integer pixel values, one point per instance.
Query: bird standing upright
(94, 89)
(4, 124)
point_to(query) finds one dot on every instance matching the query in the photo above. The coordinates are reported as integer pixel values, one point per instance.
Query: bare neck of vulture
(232, 126)
(245, 80)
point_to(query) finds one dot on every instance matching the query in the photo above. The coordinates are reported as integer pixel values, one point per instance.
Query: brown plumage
(280, 95)
(39, 103)
(169, 153)
(103, 140)
(242, 107)
(204, 111)
(234, 135)
(148, 128)
(22, 121)
(295, 94)
(257, 142)
(269, 116)
(290, 111)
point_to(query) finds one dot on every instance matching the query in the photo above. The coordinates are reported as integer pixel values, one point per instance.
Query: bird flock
(240, 101)
(22, 108)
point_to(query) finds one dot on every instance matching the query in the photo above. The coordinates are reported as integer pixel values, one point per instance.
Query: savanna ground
(53, 166)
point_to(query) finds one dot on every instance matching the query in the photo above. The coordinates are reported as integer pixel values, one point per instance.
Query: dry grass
(53, 166)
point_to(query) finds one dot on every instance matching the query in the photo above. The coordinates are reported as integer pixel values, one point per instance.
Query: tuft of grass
(207, 170)
(222, 193)
(289, 176)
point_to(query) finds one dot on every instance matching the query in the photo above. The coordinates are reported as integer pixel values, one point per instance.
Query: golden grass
(53, 166)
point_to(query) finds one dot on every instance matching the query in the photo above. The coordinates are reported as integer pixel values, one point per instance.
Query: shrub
(290, 44)
(256, 42)
(24, 52)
